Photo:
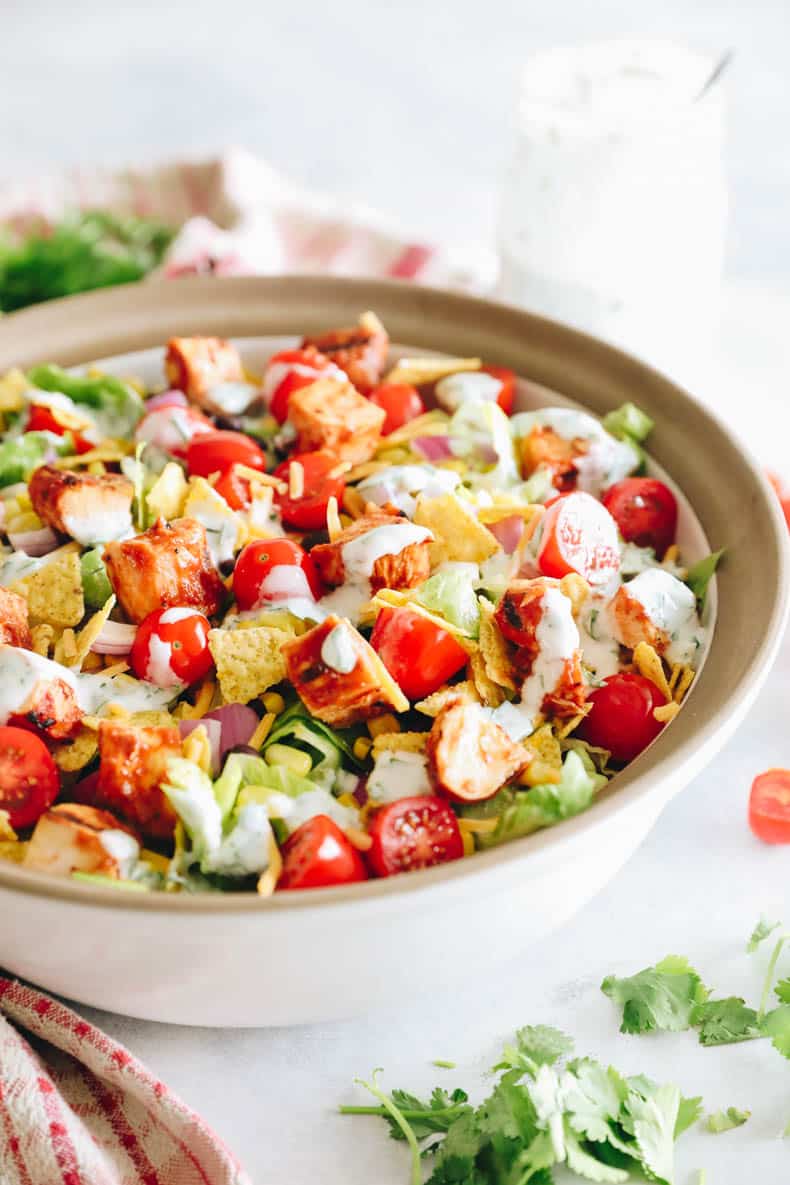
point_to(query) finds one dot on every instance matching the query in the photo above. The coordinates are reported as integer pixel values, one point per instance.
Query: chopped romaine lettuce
(539, 485)
(327, 748)
(451, 595)
(20, 455)
(96, 586)
(116, 406)
(481, 431)
(629, 422)
(191, 794)
(526, 811)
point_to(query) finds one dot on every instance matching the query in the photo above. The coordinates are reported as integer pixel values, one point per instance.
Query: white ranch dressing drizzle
(221, 525)
(121, 847)
(672, 607)
(98, 526)
(359, 557)
(399, 484)
(607, 459)
(20, 673)
(338, 651)
(600, 648)
(233, 398)
(398, 773)
(18, 565)
(467, 387)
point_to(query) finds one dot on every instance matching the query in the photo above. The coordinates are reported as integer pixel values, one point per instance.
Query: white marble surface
(696, 887)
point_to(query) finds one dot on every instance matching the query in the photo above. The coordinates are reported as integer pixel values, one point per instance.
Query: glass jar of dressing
(614, 208)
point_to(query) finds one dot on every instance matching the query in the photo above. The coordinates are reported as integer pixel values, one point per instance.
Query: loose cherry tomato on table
(769, 806)
(419, 655)
(578, 534)
(271, 570)
(413, 833)
(782, 493)
(621, 717)
(216, 451)
(43, 419)
(307, 511)
(171, 647)
(401, 403)
(29, 780)
(171, 427)
(289, 370)
(318, 855)
(645, 510)
(507, 392)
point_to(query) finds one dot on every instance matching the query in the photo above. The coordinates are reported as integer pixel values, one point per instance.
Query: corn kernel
(362, 747)
(293, 759)
(274, 703)
(386, 723)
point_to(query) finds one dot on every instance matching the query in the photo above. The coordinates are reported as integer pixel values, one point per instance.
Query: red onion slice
(34, 543)
(115, 638)
(167, 399)
(508, 532)
(214, 732)
(432, 448)
(238, 723)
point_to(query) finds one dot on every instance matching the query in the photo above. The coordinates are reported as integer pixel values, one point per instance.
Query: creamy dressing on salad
(338, 651)
(467, 387)
(18, 565)
(359, 556)
(221, 525)
(400, 485)
(600, 648)
(121, 847)
(20, 673)
(98, 525)
(233, 398)
(606, 459)
(672, 607)
(244, 851)
(398, 773)
(298, 809)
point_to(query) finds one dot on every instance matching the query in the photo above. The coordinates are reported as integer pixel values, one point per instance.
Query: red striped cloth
(77, 1109)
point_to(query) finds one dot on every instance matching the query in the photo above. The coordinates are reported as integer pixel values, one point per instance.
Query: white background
(407, 107)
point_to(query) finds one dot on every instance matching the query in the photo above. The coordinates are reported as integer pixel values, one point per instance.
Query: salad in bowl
(342, 617)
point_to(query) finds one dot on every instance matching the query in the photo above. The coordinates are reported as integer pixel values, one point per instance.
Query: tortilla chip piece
(10, 850)
(87, 636)
(546, 764)
(456, 532)
(44, 639)
(416, 371)
(576, 589)
(54, 592)
(685, 679)
(66, 648)
(168, 493)
(666, 712)
(494, 648)
(649, 664)
(568, 726)
(403, 742)
(248, 661)
(489, 692)
(13, 385)
(432, 705)
(7, 833)
(76, 752)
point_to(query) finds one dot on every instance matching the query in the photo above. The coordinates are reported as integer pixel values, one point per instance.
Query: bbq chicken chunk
(470, 757)
(331, 414)
(360, 351)
(544, 446)
(91, 508)
(196, 364)
(385, 549)
(70, 838)
(38, 691)
(166, 566)
(14, 630)
(338, 675)
(132, 770)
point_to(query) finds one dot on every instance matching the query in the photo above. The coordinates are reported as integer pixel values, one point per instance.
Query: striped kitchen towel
(77, 1109)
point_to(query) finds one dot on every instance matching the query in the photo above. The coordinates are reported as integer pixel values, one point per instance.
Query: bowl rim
(115, 314)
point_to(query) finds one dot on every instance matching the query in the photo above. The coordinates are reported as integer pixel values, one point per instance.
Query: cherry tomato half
(645, 510)
(216, 451)
(621, 717)
(508, 380)
(171, 428)
(234, 488)
(419, 655)
(307, 512)
(401, 403)
(579, 535)
(171, 647)
(413, 833)
(289, 370)
(42, 419)
(769, 806)
(318, 855)
(29, 780)
(271, 570)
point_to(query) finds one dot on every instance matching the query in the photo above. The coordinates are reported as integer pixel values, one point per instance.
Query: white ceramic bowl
(240, 960)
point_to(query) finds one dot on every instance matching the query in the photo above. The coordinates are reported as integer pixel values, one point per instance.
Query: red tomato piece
(214, 452)
(307, 512)
(621, 717)
(29, 780)
(42, 419)
(289, 370)
(171, 428)
(401, 404)
(234, 488)
(318, 855)
(769, 806)
(508, 390)
(419, 655)
(579, 535)
(645, 510)
(783, 494)
(270, 570)
(171, 647)
(413, 833)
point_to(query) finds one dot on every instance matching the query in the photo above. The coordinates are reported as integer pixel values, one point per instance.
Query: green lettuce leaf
(525, 811)
(629, 422)
(20, 455)
(451, 595)
(700, 575)
(115, 405)
(479, 426)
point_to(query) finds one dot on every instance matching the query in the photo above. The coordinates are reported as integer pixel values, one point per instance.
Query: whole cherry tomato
(271, 570)
(216, 451)
(401, 403)
(621, 717)
(322, 479)
(171, 647)
(645, 510)
(29, 779)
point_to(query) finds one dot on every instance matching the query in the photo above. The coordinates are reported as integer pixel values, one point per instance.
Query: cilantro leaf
(426, 1118)
(724, 1022)
(724, 1121)
(663, 997)
(587, 1164)
(782, 990)
(776, 1025)
(654, 1117)
(760, 933)
(689, 1111)
(594, 1097)
(536, 1045)
(455, 1158)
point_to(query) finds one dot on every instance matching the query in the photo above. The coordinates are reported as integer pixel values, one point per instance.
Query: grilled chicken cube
(132, 769)
(470, 757)
(360, 351)
(196, 364)
(384, 549)
(543, 446)
(39, 691)
(338, 675)
(166, 566)
(91, 508)
(70, 838)
(14, 630)
(330, 414)
(657, 608)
